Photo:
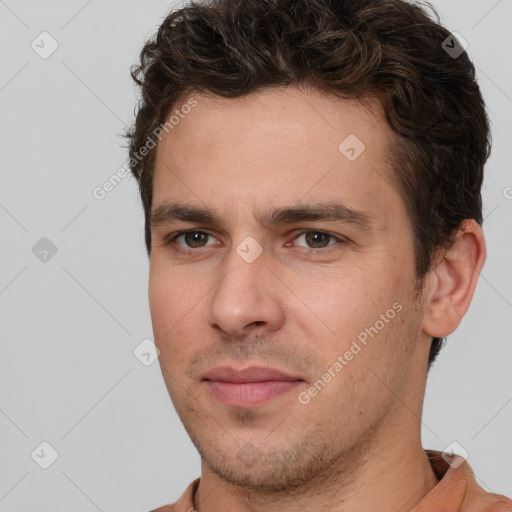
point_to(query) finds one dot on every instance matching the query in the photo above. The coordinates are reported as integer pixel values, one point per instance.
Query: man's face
(295, 295)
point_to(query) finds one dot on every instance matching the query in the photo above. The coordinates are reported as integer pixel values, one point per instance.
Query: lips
(250, 387)
(250, 374)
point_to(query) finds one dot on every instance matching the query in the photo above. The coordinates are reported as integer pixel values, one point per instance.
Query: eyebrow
(330, 211)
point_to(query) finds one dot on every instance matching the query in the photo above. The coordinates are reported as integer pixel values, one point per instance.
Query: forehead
(280, 145)
(281, 116)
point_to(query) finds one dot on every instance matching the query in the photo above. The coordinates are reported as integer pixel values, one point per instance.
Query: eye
(191, 239)
(317, 239)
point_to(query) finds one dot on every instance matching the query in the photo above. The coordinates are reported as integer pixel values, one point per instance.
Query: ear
(451, 284)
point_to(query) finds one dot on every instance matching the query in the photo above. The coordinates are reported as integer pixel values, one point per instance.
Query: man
(310, 172)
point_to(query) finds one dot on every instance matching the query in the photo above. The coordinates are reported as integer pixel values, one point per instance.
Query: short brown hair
(388, 49)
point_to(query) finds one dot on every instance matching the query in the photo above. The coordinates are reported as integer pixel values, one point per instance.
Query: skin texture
(299, 305)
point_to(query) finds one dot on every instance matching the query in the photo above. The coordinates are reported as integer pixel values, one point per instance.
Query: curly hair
(391, 50)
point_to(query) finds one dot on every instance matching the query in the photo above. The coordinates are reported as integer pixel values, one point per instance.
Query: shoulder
(185, 503)
(458, 489)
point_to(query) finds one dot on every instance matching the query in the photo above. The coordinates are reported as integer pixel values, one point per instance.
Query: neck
(390, 474)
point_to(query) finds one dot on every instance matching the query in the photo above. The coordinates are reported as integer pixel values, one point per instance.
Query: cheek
(171, 307)
(340, 304)
(172, 294)
(356, 315)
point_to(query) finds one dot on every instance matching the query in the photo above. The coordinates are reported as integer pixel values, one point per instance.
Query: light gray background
(69, 326)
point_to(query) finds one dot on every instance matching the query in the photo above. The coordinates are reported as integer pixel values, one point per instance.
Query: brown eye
(317, 239)
(195, 239)
(192, 239)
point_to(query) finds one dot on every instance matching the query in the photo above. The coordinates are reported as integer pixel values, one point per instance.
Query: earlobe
(451, 284)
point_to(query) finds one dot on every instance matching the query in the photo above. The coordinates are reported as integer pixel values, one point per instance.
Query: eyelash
(170, 240)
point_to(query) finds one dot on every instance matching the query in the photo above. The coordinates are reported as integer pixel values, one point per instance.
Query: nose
(247, 299)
